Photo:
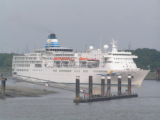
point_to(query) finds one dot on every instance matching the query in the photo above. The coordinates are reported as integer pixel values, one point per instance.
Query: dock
(105, 98)
(99, 95)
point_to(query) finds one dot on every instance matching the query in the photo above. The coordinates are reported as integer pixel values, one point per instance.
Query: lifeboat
(65, 58)
(57, 59)
(93, 60)
(83, 58)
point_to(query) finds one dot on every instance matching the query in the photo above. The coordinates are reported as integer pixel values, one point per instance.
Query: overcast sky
(79, 22)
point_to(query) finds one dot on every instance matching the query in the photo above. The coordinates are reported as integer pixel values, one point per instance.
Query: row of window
(64, 54)
(107, 62)
(25, 58)
(64, 70)
(85, 70)
(28, 62)
(99, 71)
(122, 58)
(47, 58)
(37, 69)
(22, 65)
(22, 70)
(79, 71)
(67, 50)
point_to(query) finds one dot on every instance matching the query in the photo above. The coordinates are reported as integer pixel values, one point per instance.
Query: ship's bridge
(52, 44)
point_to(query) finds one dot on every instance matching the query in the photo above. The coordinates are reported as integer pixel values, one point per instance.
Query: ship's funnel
(52, 41)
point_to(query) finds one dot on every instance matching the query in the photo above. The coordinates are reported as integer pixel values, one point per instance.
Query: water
(60, 106)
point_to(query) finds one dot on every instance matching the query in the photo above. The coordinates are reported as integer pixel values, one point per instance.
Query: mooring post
(102, 85)
(108, 86)
(129, 84)
(119, 85)
(158, 74)
(90, 87)
(3, 85)
(77, 88)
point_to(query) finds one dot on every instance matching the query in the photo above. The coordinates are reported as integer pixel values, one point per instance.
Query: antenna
(27, 50)
(100, 41)
(37, 42)
(129, 46)
(85, 48)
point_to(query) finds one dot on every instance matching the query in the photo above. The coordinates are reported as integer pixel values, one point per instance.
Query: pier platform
(104, 98)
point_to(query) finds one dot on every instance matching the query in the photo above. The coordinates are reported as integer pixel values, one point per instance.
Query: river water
(60, 106)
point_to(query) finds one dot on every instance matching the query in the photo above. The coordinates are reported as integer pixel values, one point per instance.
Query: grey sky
(79, 22)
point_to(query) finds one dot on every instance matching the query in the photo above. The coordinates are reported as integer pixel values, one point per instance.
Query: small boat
(83, 58)
(65, 58)
(57, 59)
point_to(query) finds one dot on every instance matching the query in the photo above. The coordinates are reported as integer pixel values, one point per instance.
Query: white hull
(60, 77)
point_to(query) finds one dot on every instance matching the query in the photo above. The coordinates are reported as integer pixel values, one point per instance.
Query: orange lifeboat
(65, 58)
(55, 58)
(83, 58)
(93, 60)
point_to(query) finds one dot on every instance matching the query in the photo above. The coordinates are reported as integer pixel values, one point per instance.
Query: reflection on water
(61, 107)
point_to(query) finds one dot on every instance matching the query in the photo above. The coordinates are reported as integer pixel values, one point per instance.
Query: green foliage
(6, 60)
(147, 57)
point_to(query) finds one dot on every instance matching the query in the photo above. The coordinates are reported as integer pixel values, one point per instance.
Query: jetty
(99, 95)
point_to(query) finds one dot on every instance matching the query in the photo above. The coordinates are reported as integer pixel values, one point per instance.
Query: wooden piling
(77, 88)
(158, 74)
(102, 86)
(129, 84)
(90, 87)
(119, 85)
(108, 86)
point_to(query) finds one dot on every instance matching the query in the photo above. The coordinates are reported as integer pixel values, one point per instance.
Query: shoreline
(18, 91)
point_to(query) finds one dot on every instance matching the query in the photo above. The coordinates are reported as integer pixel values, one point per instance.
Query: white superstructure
(62, 65)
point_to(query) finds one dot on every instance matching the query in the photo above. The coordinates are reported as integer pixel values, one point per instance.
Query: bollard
(102, 86)
(108, 86)
(158, 74)
(129, 84)
(77, 88)
(119, 85)
(90, 87)
(3, 85)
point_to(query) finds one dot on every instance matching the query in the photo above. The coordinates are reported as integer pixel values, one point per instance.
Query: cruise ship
(61, 65)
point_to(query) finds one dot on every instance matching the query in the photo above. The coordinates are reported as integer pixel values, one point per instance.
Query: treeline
(6, 60)
(147, 58)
